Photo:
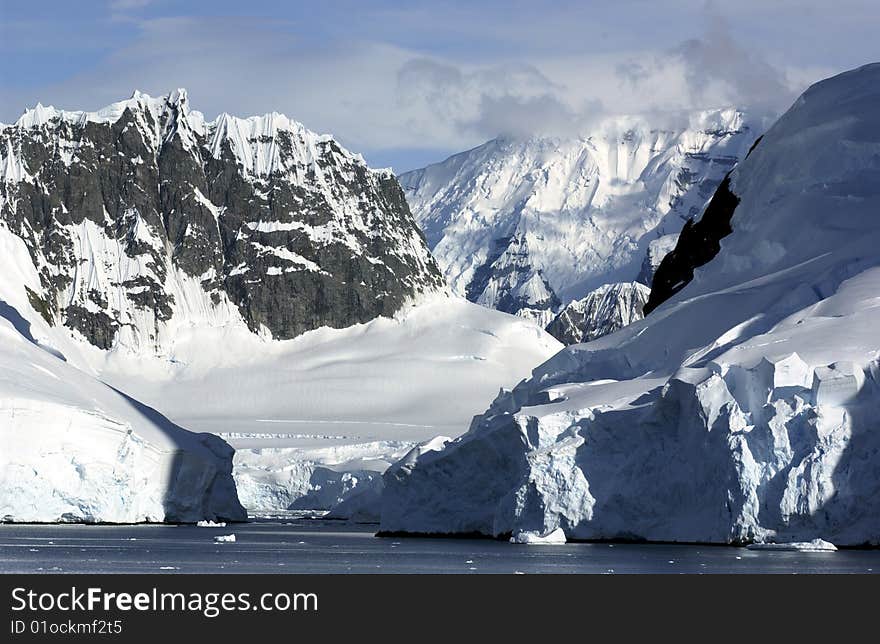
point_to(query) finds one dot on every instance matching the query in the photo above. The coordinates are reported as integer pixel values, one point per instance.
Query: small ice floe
(211, 524)
(816, 545)
(557, 536)
(225, 538)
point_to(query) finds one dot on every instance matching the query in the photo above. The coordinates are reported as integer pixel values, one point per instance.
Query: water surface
(288, 545)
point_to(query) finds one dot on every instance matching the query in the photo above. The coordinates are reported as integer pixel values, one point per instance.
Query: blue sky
(407, 84)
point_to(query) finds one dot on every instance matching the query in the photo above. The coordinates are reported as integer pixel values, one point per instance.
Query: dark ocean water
(320, 546)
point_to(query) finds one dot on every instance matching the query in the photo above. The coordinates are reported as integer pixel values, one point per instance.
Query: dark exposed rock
(285, 226)
(697, 244)
(97, 326)
(40, 306)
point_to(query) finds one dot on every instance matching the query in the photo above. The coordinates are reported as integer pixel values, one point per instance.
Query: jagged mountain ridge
(607, 309)
(143, 217)
(526, 226)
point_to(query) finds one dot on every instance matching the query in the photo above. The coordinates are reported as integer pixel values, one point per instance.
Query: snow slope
(308, 414)
(742, 409)
(525, 226)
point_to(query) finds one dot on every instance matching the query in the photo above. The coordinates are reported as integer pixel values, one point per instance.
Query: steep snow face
(607, 309)
(742, 409)
(142, 219)
(525, 226)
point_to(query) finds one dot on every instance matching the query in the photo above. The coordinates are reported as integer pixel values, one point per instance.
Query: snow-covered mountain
(526, 226)
(175, 260)
(607, 309)
(142, 219)
(743, 407)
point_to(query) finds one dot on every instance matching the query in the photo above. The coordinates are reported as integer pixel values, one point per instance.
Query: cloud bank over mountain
(425, 80)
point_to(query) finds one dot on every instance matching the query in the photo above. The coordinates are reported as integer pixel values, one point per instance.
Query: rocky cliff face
(143, 217)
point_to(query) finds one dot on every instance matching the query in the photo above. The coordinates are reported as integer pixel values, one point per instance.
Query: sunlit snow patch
(557, 536)
(816, 545)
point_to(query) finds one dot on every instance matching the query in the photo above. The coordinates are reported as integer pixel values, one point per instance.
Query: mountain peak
(579, 211)
(36, 116)
(315, 237)
(178, 96)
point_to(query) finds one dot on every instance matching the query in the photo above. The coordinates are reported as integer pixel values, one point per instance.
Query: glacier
(75, 449)
(742, 409)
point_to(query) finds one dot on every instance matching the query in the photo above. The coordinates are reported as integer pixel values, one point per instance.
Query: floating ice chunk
(816, 545)
(837, 383)
(557, 536)
(211, 524)
(225, 538)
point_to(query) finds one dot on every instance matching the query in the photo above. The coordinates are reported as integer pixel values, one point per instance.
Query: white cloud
(451, 103)
(128, 5)
(719, 68)
(386, 94)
